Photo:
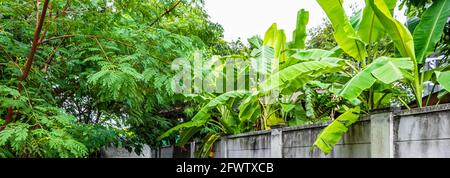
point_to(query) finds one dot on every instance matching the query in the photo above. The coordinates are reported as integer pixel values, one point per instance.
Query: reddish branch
(38, 2)
(26, 69)
(166, 12)
(35, 44)
(8, 118)
(45, 28)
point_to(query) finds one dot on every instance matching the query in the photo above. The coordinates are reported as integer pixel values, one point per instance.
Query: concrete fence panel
(417, 133)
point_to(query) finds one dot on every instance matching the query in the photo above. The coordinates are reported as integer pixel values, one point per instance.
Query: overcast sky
(245, 18)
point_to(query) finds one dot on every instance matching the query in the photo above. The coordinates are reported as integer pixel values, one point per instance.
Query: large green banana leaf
(187, 134)
(273, 119)
(444, 79)
(401, 36)
(412, 23)
(263, 62)
(298, 56)
(362, 81)
(344, 34)
(249, 111)
(207, 144)
(299, 35)
(224, 98)
(355, 19)
(229, 120)
(294, 73)
(371, 29)
(429, 30)
(276, 38)
(203, 116)
(312, 54)
(392, 71)
(383, 69)
(331, 135)
(442, 94)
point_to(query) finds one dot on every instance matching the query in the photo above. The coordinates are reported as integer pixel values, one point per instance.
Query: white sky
(246, 18)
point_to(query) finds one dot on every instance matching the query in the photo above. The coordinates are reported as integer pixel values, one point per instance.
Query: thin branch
(51, 56)
(166, 12)
(103, 50)
(55, 38)
(87, 36)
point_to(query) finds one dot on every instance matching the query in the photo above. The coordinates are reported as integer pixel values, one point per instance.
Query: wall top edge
(264, 132)
(424, 110)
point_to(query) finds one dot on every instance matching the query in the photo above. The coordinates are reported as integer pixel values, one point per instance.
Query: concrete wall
(297, 142)
(113, 152)
(251, 145)
(418, 133)
(294, 142)
(166, 152)
(423, 133)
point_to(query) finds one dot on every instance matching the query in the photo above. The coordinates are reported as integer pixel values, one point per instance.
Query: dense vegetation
(79, 75)
(73, 74)
(374, 62)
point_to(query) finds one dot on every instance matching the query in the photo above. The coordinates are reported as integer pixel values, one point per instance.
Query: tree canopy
(73, 72)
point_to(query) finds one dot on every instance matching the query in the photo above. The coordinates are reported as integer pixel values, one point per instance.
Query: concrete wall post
(223, 147)
(276, 143)
(382, 135)
(192, 149)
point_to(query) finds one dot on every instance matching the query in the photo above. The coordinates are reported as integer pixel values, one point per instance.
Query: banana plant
(371, 29)
(353, 41)
(374, 71)
(295, 66)
(297, 75)
(426, 35)
(288, 68)
(218, 117)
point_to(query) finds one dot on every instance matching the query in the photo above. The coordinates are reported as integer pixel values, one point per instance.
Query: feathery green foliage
(100, 66)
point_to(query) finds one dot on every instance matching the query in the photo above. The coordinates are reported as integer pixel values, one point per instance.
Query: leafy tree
(321, 38)
(72, 72)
